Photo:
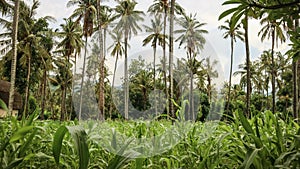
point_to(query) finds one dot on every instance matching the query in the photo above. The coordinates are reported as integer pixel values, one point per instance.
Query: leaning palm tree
(232, 32)
(86, 12)
(156, 38)
(272, 29)
(191, 35)
(128, 25)
(14, 58)
(117, 51)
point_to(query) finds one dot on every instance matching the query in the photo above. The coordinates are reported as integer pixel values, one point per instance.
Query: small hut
(4, 95)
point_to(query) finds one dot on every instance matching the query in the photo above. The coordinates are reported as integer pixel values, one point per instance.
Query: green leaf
(57, 142)
(245, 123)
(15, 163)
(80, 138)
(227, 12)
(19, 134)
(3, 105)
(251, 154)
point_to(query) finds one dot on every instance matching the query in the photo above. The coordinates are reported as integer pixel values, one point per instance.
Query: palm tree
(14, 58)
(157, 8)
(117, 51)
(210, 74)
(272, 29)
(232, 32)
(128, 25)
(86, 12)
(156, 38)
(191, 35)
(70, 47)
(242, 10)
(171, 46)
(4, 7)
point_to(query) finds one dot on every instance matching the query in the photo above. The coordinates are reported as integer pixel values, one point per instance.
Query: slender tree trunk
(273, 71)
(154, 80)
(63, 103)
(44, 93)
(126, 87)
(27, 87)
(230, 75)
(165, 58)
(14, 58)
(102, 74)
(112, 86)
(82, 79)
(171, 46)
(295, 83)
(248, 96)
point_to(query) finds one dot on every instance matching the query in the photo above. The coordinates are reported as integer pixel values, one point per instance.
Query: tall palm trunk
(248, 66)
(112, 86)
(126, 87)
(82, 79)
(102, 74)
(171, 46)
(164, 56)
(273, 71)
(295, 82)
(14, 58)
(154, 79)
(63, 103)
(230, 75)
(27, 87)
(44, 93)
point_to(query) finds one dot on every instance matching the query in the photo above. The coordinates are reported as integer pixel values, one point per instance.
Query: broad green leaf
(3, 105)
(19, 134)
(57, 142)
(245, 123)
(227, 12)
(80, 138)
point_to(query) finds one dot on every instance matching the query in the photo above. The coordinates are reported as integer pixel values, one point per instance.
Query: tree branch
(279, 6)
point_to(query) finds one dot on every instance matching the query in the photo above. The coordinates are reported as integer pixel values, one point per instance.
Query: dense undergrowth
(264, 141)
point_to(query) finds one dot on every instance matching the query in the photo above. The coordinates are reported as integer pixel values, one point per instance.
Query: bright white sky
(207, 12)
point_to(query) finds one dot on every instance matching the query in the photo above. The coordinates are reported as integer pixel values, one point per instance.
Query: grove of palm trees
(112, 85)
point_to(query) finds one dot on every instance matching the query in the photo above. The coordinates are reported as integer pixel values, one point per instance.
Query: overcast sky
(207, 12)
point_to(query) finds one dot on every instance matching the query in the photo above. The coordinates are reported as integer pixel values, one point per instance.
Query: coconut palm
(117, 51)
(156, 38)
(210, 74)
(14, 49)
(244, 11)
(128, 24)
(70, 46)
(232, 32)
(272, 29)
(86, 12)
(191, 36)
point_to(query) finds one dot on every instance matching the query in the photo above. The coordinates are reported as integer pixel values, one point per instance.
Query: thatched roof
(4, 95)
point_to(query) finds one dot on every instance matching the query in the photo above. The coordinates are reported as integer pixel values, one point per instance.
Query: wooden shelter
(4, 95)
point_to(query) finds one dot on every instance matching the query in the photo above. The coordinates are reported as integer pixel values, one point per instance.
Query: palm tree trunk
(44, 93)
(102, 74)
(112, 86)
(295, 83)
(126, 87)
(82, 78)
(27, 87)
(248, 67)
(165, 58)
(171, 45)
(154, 80)
(230, 75)
(273, 71)
(14, 58)
(63, 103)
